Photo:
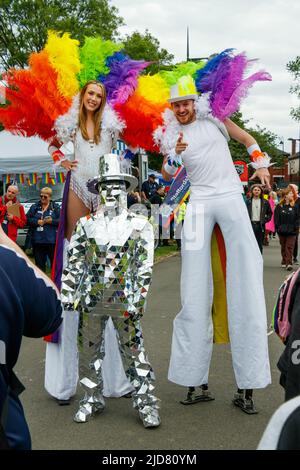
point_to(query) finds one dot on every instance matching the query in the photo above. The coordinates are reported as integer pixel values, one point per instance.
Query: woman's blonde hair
(47, 190)
(273, 195)
(97, 116)
(284, 193)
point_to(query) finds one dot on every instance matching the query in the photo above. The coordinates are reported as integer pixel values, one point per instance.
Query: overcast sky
(266, 29)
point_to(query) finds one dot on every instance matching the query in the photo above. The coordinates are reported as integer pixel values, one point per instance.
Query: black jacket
(289, 361)
(286, 219)
(265, 211)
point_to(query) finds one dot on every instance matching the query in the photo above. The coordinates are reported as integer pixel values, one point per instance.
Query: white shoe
(289, 267)
(283, 265)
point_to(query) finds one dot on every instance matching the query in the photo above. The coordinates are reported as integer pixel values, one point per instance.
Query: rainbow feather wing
(24, 115)
(231, 104)
(223, 78)
(37, 96)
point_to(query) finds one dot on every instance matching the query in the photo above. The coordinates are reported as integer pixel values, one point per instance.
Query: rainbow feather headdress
(42, 98)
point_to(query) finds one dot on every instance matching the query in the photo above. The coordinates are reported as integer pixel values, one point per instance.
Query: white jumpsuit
(216, 198)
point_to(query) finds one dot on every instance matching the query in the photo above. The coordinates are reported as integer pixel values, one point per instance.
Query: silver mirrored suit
(108, 274)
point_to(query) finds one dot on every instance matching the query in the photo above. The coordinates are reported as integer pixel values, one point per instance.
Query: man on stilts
(192, 137)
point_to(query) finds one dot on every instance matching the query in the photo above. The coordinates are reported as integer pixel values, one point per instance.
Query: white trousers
(193, 329)
(61, 368)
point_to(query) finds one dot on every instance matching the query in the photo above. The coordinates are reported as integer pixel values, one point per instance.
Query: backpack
(282, 310)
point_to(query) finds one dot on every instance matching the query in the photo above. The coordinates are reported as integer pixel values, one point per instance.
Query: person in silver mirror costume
(108, 274)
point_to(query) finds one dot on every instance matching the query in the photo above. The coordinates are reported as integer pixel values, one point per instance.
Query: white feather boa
(66, 125)
(165, 136)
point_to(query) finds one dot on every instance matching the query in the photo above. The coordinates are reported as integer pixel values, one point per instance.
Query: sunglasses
(43, 195)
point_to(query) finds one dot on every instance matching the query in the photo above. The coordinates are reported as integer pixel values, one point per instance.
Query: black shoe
(193, 397)
(246, 405)
(64, 402)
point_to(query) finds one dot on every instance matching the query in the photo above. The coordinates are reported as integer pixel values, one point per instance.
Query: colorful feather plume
(141, 119)
(154, 87)
(223, 78)
(40, 94)
(93, 55)
(225, 104)
(121, 81)
(206, 75)
(186, 68)
(63, 55)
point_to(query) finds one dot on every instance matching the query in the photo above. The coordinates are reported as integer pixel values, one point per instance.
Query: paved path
(213, 425)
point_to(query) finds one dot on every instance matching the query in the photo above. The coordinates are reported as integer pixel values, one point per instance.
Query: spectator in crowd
(156, 201)
(179, 219)
(12, 214)
(259, 212)
(43, 219)
(148, 188)
(133, 198)
(287, 226)
(270, 226)
(30, 306)
(294, 189)
(158, 196)
(266, 193)
(283, 430)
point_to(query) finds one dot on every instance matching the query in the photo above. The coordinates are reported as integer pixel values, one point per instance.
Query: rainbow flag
(60, 178)
(46, 178)
(33, 178)
(20, 178)
(6, 178)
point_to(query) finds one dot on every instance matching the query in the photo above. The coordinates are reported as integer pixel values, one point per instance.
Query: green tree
(145, 46)
(24, 24)
(294, 68)
(265, 139)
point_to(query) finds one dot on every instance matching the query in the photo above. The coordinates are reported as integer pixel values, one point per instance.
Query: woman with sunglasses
(43, 219)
